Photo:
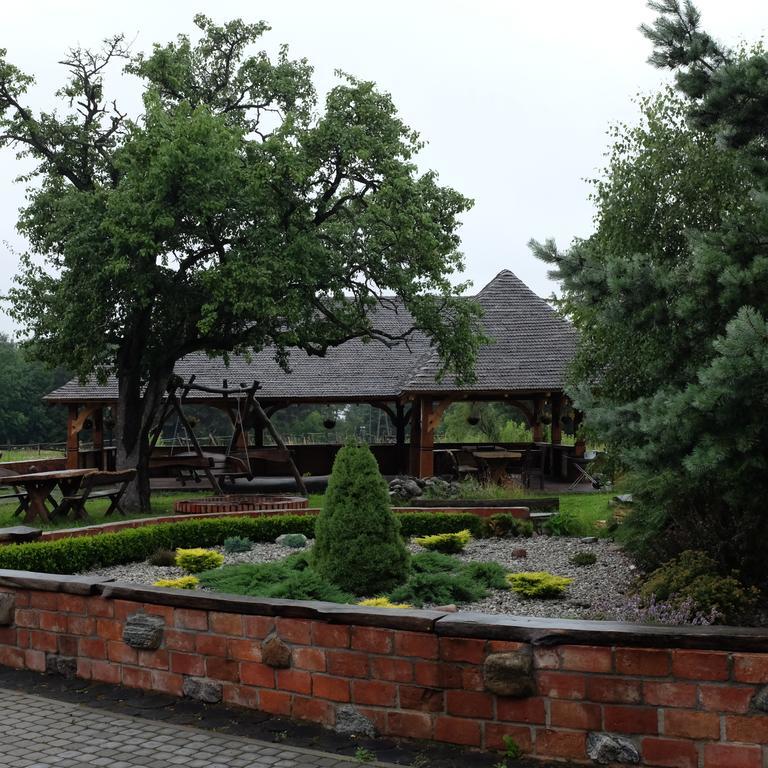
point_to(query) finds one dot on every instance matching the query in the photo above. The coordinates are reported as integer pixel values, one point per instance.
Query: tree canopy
(235, 213)
(670, 294)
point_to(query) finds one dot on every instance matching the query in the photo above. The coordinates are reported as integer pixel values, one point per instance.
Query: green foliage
(291, 579)
(693, 576)
(488, 573)
(237, 544)
(429, 523)
(164, 558)
(434, 562)
(363, 755)
(512, 749)
(198, 559)
(293, 540)
(503, 525)
(383, 602)
(357, 536)
(445, 542)
(183, 582)
(540, 585)
(583, 558)
(441, 588)
(564, 523)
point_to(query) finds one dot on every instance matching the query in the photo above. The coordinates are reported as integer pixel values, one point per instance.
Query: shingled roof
(530, 351)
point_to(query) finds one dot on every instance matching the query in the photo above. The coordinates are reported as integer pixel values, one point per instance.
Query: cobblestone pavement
(38, 732)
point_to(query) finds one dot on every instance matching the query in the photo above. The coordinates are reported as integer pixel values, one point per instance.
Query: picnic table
(39, 486)
(495, 463)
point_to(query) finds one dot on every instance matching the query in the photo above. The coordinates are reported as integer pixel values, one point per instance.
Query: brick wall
(676, 697)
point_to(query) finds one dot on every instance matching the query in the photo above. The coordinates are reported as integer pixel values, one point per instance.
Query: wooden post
(557, 427)
(538, 431)
(402, 463)
(413, 464)
(98, 437)
(426, 457)
(73, 439)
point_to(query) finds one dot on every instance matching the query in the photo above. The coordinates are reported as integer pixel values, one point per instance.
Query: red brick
(377, 716)
(8, 636)
(494, 734)
(176, 640)
(312, 659)
(253, 673)
(44, 601)
(154, 659)
(469, 704)
(330, 635)
(614, 690)
(243, 650)
(377, 693)
(12, 657)
(750, 667)
(25, 617)
(260, 626)
(43, 641)
(119, 652)
(275, 702)
(165, 612)
(187, 664)
(504, 646)
(53, 622)
(457, 730)
(521, 710)
(34, 660)
(462, 649)
(124, 608)
(84, 668)
(726, 698)
(313, 709)
(586, 659)
(399, 670)
(670, 753)
(333, 688)
(102, 671)
(22, 639)
(296, 680)
(546, 658)
(575, 714)
(751, 730)
(92, 648)
(560, 685)
(189, 618)
(631, 719)
(71, 604)
(226, 623)
(110, 629)
(660, 694)
(700, 665)
(67, 645)
(372, 639)
(421, 699)
(411, 725)
(551, 743)
(448, 675)
(346, 664)
(732, 756)
(429, 674)
(243, 696)
(210, 645)
(422, 646)
(472, 679)
(167, 682)
(101, 608)
(134, 677)
(643, 662)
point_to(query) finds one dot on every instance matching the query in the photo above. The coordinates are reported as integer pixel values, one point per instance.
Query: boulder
(143, 631)
(202, 689)
(275, 653)
(510, 674)
(351, 723)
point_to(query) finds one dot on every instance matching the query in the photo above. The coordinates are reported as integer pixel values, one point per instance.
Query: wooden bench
(8, 492)
(237, 464)
(186, 467)
(98, 485)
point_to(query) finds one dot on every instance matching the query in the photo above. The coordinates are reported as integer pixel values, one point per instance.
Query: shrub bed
(89, 552)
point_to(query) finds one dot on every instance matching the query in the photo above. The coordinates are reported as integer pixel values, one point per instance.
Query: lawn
(28, 454)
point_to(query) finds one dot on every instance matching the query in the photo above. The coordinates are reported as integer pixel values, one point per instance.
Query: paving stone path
(38, 732)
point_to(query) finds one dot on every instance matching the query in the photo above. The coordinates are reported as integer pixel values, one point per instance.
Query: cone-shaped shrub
(357, 537)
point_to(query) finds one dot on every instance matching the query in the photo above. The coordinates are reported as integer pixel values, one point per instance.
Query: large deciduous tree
(671, 295)
(233, 214)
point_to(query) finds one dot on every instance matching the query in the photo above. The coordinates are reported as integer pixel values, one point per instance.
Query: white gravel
(604, 583)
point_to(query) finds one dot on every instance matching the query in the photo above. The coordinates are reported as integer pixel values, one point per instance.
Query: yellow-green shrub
(383, 602)
(445, 542)
(538, 584)
(183, 582)
(198, 559)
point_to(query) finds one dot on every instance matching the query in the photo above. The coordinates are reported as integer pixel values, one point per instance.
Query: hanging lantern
(329, 423)
(473, 419)
(109, 419)
(545, 417)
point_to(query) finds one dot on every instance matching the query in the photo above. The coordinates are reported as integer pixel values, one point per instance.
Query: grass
(587, 508)
(29, 454)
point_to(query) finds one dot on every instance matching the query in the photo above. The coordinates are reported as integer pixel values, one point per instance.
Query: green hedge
(84, 553)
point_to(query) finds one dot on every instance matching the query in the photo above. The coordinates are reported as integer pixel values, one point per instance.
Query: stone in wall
(143, 631)
(7, 609)
(351, 723)
(510, 674)
(606, 749)
(66, 666)
(275, 653)
(202, 689)
(760, 699)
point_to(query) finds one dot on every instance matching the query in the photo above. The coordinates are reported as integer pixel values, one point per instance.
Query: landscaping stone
(405, 488)
(519, 553)
(451, 608)
(510, 674)
(351, 723)
(66, 666)
(275, 653)
(202, 689)
(588, 540)
(143, 631)
(7, 609)
(605, 748)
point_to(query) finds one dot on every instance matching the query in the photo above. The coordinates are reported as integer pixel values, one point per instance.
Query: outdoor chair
(466, 465)
(98, 485)
(584, 472)
(8, 492)
(533, 468)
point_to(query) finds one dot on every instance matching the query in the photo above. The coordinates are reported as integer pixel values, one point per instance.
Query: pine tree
(357, 538)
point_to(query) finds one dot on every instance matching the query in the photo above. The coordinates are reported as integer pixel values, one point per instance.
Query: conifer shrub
(503, 525)
(357, 536)
(163, 558)
(383, 602)
(183, 582)
(447, 543)
(488, 573)
(534, 585)
(234, 544)
(583, 558)
(438, 589)
(434, 562)
(197, 560)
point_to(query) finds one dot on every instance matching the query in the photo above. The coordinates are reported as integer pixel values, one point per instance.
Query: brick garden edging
(689, 697)
(238, 503)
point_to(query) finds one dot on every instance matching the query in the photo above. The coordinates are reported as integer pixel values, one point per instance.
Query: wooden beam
(427, 442)
(73, 439)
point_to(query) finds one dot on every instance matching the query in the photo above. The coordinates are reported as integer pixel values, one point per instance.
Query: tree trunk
(137, 408)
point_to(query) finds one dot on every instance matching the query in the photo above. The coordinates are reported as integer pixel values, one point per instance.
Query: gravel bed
(603, 584)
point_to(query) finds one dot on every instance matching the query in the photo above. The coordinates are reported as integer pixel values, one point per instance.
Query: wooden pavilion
(524, 365)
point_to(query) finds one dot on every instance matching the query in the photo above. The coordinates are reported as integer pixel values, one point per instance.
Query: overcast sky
(513, 98)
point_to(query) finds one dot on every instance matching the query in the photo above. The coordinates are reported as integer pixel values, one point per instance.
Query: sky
(514, 98)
